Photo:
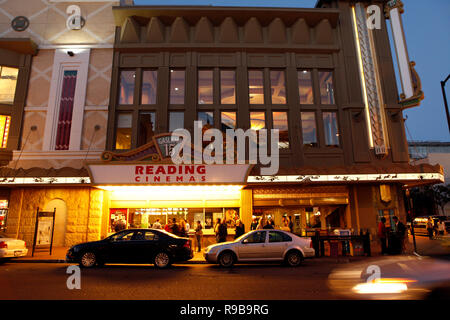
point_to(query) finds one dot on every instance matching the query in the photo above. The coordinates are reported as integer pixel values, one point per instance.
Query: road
(180, 282)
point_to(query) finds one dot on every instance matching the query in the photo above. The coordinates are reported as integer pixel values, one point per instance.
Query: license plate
(17, 253)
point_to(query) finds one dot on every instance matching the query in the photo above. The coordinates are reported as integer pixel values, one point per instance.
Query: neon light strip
(46, 180)
(363, 80)
(348, 178)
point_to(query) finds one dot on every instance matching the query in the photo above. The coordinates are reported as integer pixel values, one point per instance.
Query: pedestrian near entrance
(254, 224)
(221, 231)
(182, 229)
(199, 235)
(400, 231)
(157, 224)
(261, 223)
(240, 229)
(382, 234)
(441, 227)
(175, 227)
(430, 228)
(291, 224)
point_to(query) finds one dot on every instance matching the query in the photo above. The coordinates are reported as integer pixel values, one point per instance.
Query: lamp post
(445, 100)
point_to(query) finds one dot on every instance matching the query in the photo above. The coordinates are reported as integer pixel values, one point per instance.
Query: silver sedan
(261, 245)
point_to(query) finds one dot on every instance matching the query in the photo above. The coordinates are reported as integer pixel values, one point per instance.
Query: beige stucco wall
(85, 208)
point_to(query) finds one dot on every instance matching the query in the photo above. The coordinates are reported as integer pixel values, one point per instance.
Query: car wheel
(162, 260)
(226, 259)
(88, 260)
(294, 258)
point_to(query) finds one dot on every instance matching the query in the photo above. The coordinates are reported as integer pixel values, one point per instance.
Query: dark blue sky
(426, 25)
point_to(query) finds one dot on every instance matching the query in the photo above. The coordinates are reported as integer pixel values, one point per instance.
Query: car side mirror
(245, 241)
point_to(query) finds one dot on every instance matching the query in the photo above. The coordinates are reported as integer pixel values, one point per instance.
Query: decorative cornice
(390, 5)
(418, 95)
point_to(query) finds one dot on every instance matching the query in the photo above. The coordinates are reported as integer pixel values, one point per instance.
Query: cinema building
(91, 120)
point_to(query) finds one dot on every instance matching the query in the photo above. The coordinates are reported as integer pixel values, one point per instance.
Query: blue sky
(426, 25)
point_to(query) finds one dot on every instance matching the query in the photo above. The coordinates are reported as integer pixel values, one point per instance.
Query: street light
(445, 100)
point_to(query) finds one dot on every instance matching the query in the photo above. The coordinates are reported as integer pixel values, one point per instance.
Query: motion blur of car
(12, 248)
(260, 246)
(134, 246)
(393, 278)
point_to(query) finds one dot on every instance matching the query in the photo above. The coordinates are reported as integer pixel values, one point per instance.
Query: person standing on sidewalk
(199, 235)
(400, 231)
(382, 234)
(430, 228)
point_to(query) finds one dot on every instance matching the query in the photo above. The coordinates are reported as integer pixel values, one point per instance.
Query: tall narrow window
(207, 119)
(177, 84)
(227, 120)
(4, 130)
(127, 80)
(149, 86)
(305, 88)
(257, 120)
(326, 87)
(66, 110)
(280, 122)
(176, 120)
(227, 87)
(309, 128)
(256, 87)
(277, 87)
(8, 83)
(331, 129)
(123, 132)
(205, 86)
(146, 127)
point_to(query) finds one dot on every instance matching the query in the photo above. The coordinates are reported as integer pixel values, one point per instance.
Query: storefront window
(127, 80)
(256, 87)
(309, 128)
(305, 88)
(205, 86)
(177, 84)
(227, 87)
(331, 129)
(313, 218)
(146, 217)
(146, 127)
(280, 122)
(277, 87)
(5, 122)
(8, 83)
(257, 120)
(227, 120)
(149, 86)
(176, 120)
(326, 87)
(123, 132)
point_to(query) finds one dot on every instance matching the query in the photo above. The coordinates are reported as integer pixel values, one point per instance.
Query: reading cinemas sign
(139, 174)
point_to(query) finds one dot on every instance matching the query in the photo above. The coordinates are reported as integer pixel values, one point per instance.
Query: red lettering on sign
(203, 178)
(201, 169)
(179, 178)
(192, 179)
(189, 170)
(160, 170)
(149, 170)
(171, 169)
(139, 170)
(138, 179)
(156, 179)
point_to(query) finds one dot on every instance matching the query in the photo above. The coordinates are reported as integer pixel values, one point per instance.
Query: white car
(12, 248)
(261, 245)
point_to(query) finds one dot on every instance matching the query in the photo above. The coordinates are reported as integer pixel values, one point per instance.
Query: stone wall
(84, 212)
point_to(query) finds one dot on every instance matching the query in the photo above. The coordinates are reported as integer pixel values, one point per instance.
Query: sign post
(44, 230)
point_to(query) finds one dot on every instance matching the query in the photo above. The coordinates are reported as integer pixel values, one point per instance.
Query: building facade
(93, 139)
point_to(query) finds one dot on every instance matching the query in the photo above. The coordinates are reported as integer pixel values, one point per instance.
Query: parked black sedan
(133, 246)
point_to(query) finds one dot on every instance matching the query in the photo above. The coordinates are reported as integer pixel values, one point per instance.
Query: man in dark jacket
(400, 232)
(222, 231)
(175, 227)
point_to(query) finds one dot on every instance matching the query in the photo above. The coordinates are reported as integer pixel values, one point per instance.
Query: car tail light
(187, 244)
(311, 244)
(3, 245)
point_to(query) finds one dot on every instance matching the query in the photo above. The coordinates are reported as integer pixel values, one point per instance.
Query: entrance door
(59, 235)
(253, 246)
